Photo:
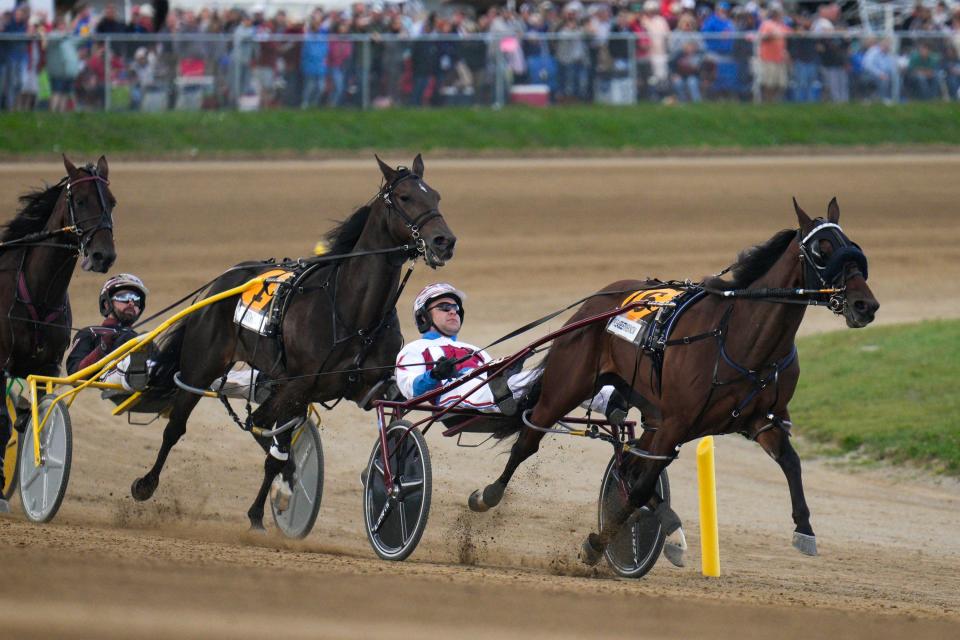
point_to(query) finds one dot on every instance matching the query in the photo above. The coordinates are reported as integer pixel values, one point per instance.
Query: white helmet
(430, 293)
(117, 282)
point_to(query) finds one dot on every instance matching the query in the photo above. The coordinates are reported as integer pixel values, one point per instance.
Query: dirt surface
(533, 236)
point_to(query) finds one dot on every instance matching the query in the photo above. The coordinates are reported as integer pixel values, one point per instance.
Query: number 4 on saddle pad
(631, 325)
(259, 308)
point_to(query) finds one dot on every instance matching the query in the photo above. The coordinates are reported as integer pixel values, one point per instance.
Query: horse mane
(752, 263)
(343, 237)
(35, 209)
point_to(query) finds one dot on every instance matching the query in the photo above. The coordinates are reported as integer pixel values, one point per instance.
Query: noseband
(830, 274)
(106, 213)
(413, 223)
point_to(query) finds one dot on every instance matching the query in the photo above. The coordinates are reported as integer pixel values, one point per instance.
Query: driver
(439, 357)
(123, 299)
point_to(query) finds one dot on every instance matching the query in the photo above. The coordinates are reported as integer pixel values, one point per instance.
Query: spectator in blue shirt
(719, 22)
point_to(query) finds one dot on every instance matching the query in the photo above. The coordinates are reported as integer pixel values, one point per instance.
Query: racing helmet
(430, 293)
(116, 283)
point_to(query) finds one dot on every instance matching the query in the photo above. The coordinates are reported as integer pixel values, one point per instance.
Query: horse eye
(405, 198)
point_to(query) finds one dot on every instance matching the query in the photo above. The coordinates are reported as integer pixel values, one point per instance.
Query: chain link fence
(190, 72)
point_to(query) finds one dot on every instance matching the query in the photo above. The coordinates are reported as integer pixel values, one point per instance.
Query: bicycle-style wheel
(10, 456)
(301, 514)
(42, 487)
(636, 548)
(395, 520)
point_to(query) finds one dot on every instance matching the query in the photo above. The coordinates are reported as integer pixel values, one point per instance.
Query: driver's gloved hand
(444, 369)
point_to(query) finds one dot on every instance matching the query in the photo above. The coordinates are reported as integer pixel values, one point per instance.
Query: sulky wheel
(636, 548)
(10, 457)
(301, 514)
(42, 488)
(395, 520)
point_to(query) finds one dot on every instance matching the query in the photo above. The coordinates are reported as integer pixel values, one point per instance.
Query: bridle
(830, 274)
(414, 224)
(105, 221)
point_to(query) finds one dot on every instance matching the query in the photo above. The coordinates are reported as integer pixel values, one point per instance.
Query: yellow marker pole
(709, 534)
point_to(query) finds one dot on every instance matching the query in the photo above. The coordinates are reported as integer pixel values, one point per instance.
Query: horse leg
(278, 460)
(776, 442)
(183, 404)
(526, 445)
(642, 494)
(5, 430)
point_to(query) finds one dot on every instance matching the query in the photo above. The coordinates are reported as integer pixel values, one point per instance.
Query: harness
(37, 316)
(830, 274)
(367, 336)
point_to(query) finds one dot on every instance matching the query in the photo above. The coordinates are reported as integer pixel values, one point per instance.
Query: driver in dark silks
(123, 299)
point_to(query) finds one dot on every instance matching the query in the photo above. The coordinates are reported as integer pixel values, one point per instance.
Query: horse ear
(833, 211)
(71, 169)
(389, 173)
(418, 165)
(102, 168)
(802, 216)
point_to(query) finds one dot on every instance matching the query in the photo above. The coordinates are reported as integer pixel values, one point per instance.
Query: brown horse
(339, 335)
(38, 252)
(734, 370)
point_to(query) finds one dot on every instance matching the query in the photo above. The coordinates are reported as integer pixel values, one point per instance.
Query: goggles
(128, 296)
(446, 307)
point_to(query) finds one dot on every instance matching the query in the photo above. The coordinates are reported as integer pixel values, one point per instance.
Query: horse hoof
(256, 526)
(674, 548)
(476, 502)
(142, 488)
(4, 506)
(280, 494)
(493, 494)
(590, 552)
(807, 545)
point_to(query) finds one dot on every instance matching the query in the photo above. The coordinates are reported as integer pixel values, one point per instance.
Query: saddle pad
(255, 309)
(631, 324)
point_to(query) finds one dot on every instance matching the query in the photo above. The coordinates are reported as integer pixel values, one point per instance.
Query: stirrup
(137, 374)
(503, 396)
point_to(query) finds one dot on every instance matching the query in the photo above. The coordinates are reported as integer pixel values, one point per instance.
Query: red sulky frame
(396, 410)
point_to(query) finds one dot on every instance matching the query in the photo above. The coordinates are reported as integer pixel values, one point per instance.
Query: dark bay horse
(739, 377)
(341, 319)
(38, 252)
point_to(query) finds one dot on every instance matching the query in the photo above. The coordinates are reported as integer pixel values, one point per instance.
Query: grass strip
(888, 392)
(513, 129)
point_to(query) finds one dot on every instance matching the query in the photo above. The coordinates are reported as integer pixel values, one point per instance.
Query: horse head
(417, 220)
(832, 261)
(89, 211)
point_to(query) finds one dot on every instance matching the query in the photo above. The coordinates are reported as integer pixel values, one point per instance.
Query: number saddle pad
(633, 325)
(259, 308)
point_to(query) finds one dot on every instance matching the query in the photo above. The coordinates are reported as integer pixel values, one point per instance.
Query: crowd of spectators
(398, 53)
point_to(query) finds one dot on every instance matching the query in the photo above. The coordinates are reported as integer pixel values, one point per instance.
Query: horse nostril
(439, 241)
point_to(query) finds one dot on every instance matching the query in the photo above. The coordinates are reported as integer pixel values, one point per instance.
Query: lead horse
(734, 370)
(339, 335)
(38, 254)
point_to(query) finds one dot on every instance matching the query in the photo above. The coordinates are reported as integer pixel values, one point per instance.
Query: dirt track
(532, 237)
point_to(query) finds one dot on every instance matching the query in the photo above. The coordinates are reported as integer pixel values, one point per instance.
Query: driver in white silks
(123, 299)
(439, 357)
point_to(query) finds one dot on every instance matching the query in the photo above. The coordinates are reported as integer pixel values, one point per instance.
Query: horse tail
(167, 358)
